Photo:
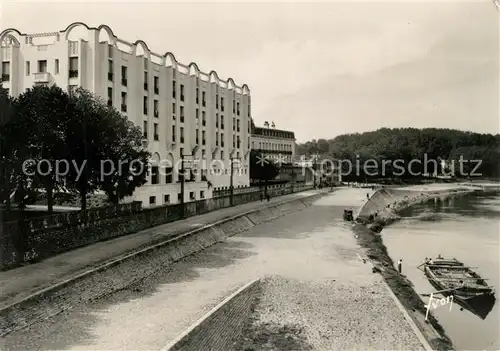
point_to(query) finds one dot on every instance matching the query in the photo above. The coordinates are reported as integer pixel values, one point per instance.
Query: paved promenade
(17, 284)
(338, 301)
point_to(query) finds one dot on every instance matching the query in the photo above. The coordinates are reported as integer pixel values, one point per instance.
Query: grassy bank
(367, 233)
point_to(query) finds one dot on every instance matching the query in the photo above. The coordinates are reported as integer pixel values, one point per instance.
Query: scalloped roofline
(211, 77)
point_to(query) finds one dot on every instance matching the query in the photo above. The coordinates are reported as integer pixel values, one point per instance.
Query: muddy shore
(368, 229)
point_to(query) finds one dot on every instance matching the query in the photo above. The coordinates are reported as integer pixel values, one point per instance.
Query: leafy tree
(9, 144)
(104, 143)
(262, 169)
(45, 110)
(78, 132)
(127, 162)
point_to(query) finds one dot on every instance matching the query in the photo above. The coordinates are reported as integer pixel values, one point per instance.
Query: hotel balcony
(41, 77)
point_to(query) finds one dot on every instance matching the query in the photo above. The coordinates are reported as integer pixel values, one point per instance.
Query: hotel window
(182, 114)
(110, 70)
(216, 120)
(197, 116)
(155, 132)
(154, 175)
(5, 71)
(234, 106)
(222, 104)
(124, 75)
(110, 96)
(166, 199)
(203, 101)
(203, 120)
(238, 108)
(145, 105)
(173, 89)
(168, 175)
(222, 154)
(73, 67)
(156, 85)
(197, 96)
(222, 139)
(145, 80)
(182, 135)
(197, 137)
(155, 108)
(221, 122)
(216, 139)
(56, 66)
(234, 124)
(173, 134)
(145, 129)
(203, 153)
(203, 141)
(124, 102)
(174, 110)
(152, 200)
(182, 92)
(217, 101)
(28, 70)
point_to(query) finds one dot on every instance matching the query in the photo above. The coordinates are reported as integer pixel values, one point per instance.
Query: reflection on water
(467, 228)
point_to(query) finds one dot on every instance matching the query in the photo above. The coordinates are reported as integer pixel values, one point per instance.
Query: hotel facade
(181, 110)
(274, 144)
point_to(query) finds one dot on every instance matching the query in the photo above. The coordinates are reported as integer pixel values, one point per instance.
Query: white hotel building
(180, 109)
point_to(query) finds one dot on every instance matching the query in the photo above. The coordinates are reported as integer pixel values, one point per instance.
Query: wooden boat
(453, 276)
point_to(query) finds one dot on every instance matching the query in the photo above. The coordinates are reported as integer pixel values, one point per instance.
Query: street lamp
(183, 212)
(231, 186)
(315, 158)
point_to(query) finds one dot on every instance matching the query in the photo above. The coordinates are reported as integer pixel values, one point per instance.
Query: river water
(467, 228)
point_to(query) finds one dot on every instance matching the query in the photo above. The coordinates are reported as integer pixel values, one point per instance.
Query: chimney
(273, 125)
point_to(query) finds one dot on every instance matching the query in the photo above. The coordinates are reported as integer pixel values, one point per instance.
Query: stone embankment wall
(385, 203)
(37, 239)
(123, 272)
(383, 199)
(222, 327)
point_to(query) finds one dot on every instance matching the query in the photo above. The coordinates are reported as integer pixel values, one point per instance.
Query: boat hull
(460, 290)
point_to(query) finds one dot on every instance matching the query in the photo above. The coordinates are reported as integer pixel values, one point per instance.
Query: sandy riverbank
(381, 210)
(293, 314)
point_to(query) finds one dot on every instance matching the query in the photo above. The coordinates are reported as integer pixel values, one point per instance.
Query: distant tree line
(407, 144)
(47, 123)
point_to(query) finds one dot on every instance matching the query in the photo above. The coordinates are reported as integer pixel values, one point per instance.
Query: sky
(318, 69)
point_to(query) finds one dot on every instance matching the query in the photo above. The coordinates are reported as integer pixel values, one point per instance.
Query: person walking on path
(400, 266)
(268, 197)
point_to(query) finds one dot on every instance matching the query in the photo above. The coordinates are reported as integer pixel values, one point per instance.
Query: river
(464, 227)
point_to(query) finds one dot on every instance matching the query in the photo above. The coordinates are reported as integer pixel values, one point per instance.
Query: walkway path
(21, 282)
(352, 309)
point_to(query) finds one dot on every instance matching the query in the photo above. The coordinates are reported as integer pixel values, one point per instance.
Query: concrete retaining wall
(385, 198)
(128, 269)
(221, 328)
